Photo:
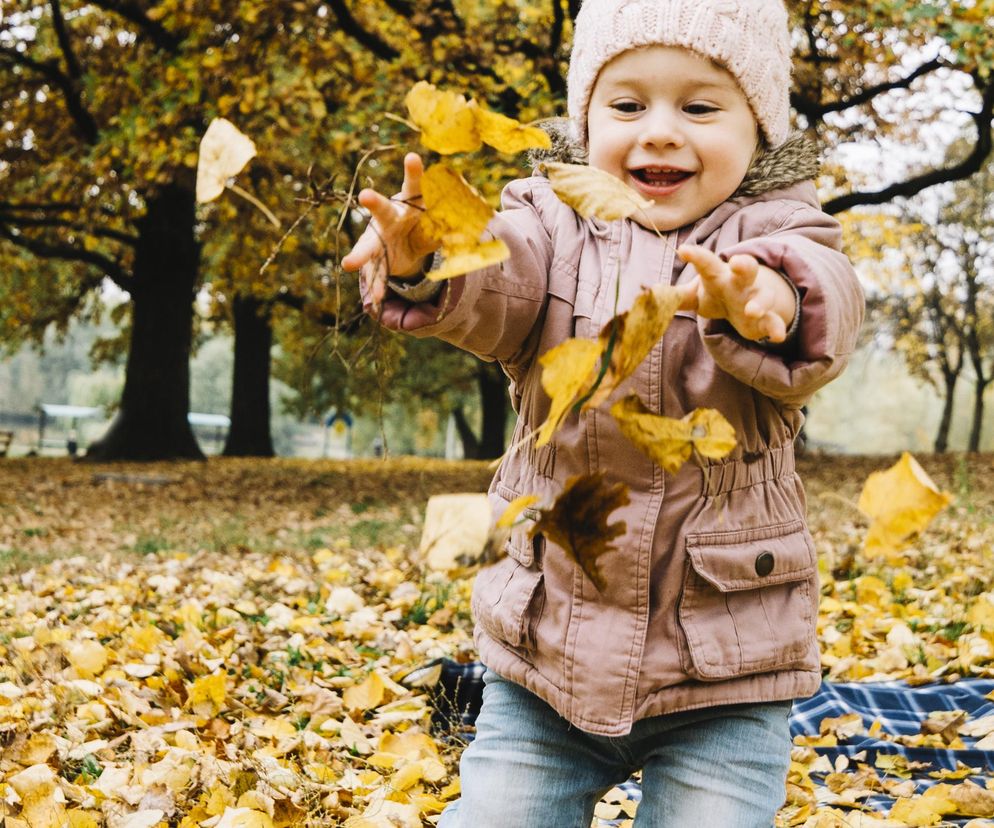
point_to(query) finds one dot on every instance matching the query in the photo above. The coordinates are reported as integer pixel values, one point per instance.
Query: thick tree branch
(352, 27)
(403, 7)
(815, 111)
(973, 163)
(66, 85)
(134, 13)
(69, 253)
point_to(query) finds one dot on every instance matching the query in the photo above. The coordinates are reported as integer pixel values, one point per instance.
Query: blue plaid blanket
(898, 709)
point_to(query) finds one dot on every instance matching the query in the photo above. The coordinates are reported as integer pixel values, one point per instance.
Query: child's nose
(661, 129)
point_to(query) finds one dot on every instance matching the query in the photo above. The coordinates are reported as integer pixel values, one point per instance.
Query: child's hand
(393, 243)
(756, 300)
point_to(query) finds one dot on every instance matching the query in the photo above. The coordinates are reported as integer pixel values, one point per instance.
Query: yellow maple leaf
(367, 695)
(515, 508)
(593, 192)
(207, 693)
(900, 502)
(567, 371)
(635, 333)
(446, 119)
(508, 135)
(456, 215)
(668, 441)
(577, 521)
(224, 152)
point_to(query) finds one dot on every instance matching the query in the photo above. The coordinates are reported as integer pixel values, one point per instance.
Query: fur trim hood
(795, 160)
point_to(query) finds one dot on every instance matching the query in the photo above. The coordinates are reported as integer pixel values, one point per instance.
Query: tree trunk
(152, 421)
(249, 435)
(978, 417)
(494, 402)
(470, 445)
(942, 435)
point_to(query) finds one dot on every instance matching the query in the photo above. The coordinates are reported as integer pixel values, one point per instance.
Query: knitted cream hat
(749, 38)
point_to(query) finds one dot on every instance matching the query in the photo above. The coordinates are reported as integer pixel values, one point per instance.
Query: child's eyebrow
(685, 85)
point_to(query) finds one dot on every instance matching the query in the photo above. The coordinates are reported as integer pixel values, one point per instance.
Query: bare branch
(973, 163)
(815, 111)
(74, 70)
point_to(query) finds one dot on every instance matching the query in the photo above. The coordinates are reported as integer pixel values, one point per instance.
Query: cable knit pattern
(750, 38)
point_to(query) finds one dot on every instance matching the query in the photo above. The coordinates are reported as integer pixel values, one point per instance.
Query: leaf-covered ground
(222, 643)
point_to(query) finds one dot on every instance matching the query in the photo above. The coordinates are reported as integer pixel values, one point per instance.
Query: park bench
(6, 438)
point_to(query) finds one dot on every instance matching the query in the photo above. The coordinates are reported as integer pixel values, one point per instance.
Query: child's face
(674, 126)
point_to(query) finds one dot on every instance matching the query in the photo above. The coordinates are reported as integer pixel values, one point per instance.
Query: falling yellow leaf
(711, 434)
(515, 508)
(207, 693)
(224, 152)
(457, 262)
(900, 502)
(593, 192)
(365, 696)
(450, 123)
(508, 135)
(577, 522)
(456, 215)
(446, 119)
(635, 333)
(566, 372)
(670, 442)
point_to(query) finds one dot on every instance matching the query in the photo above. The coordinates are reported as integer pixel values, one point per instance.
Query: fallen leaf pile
(224, 644)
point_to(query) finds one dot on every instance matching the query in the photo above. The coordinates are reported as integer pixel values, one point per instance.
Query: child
(685, 665)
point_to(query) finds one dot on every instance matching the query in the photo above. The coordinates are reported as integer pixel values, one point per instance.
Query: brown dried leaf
(577, 521)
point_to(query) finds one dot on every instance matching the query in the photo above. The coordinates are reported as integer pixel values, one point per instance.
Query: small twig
(255, 202)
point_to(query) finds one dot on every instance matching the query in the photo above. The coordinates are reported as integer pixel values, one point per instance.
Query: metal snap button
(764, 564)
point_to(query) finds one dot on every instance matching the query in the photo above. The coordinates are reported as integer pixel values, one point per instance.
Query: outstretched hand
(393, 244)
(756, 300)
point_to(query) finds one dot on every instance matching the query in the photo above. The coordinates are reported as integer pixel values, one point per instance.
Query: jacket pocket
(748, 601)
(508, 599)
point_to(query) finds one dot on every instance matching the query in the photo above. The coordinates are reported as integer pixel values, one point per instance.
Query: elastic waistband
(748, 471)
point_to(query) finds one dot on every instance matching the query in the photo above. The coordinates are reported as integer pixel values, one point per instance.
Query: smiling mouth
(662, 177)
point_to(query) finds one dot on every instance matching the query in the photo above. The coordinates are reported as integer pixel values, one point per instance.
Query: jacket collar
(793, 161)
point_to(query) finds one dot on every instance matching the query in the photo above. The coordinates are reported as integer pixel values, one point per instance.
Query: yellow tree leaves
(450, 123)
(900, 502)
(456, 215)
(578, 521)
(593, 192)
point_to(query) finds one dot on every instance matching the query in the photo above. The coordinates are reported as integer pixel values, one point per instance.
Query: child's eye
(699, 109)
(627, 106)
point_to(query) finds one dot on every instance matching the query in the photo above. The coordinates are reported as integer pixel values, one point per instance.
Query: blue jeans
(720, 767)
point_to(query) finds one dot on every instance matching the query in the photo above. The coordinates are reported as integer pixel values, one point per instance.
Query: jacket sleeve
(490, 312)
(804, 244)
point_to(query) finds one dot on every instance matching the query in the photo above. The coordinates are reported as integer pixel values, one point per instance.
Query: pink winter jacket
(712, 592)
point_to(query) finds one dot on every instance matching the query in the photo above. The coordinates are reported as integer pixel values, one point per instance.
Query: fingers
(709, 265)
(744, 270)
(413, 170)
(368, 246)
(688, 294)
